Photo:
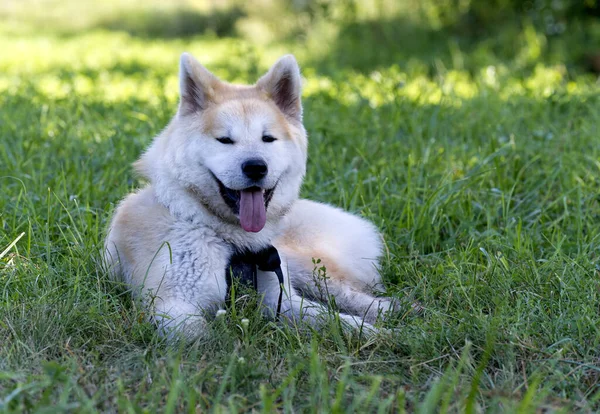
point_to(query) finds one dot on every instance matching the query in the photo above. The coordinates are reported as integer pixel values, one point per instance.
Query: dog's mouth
(250, 204)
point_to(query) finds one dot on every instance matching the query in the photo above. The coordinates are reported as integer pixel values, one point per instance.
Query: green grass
(480, 165)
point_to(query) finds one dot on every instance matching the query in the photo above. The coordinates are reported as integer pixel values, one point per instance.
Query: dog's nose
(254, 169)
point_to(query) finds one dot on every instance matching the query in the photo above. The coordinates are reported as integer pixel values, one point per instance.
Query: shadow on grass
(178, 23)
(371, 44)
(367, 45)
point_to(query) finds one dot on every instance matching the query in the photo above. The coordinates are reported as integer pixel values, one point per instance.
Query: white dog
(224, 178)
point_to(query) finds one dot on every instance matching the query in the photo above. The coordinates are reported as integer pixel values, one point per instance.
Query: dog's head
(241, 150)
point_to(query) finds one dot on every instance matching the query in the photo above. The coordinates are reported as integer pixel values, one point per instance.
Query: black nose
(255, 169)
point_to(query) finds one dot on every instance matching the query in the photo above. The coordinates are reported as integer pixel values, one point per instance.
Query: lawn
(476, 153)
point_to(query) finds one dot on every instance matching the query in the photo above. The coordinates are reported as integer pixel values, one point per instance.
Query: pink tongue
(253, 214)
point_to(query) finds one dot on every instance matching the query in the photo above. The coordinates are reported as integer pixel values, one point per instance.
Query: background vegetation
(467, 130)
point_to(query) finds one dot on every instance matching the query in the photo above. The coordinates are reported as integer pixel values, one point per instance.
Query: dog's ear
(196, 85)
(282, 84)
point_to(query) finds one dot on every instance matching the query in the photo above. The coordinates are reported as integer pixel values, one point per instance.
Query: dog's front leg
(177, 317)
(180, 309)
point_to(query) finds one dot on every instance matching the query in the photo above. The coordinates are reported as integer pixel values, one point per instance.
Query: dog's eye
(225, 140)
(268, 138)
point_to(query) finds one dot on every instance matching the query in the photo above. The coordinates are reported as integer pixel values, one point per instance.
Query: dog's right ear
(196, 85)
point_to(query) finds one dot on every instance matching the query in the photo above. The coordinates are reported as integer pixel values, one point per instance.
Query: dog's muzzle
(250, 204)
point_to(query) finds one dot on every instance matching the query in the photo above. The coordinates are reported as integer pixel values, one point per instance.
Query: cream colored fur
(172, 240)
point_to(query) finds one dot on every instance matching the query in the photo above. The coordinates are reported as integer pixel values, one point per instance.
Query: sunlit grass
(116, 67)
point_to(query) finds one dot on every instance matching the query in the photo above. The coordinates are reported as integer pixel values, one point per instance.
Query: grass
(481, 168)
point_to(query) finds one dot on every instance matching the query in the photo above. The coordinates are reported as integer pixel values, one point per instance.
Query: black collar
(243, 265)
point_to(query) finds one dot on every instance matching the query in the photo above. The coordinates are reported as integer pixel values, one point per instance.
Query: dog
(224, 177)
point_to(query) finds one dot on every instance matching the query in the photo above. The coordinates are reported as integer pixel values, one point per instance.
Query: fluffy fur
(172, 240)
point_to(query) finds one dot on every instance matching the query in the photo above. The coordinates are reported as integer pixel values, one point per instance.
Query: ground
(475, 153)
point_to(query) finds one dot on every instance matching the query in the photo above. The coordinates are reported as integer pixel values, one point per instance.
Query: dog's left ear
(283, 85)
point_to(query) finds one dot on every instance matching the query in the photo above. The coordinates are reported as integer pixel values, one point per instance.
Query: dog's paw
(393, 308)
(417, 308)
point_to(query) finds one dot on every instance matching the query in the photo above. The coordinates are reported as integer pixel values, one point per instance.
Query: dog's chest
(197, 253)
